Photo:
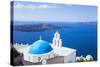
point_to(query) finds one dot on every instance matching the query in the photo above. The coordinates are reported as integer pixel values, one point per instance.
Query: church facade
(42, 51)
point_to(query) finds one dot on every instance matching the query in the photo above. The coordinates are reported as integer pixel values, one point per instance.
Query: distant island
(36, 27)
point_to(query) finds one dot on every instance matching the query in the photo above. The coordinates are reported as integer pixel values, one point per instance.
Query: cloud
(46, 6)
(42, 6)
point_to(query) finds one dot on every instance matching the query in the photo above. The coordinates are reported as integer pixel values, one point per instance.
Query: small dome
(77, 58)
(40, 47)
(89, 57)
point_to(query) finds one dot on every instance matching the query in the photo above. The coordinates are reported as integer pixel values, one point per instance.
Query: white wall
(70, 58)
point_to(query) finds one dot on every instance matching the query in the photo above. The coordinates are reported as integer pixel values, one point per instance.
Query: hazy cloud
(43, 6)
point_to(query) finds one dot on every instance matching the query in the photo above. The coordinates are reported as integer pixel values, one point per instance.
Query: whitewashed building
(42, 51)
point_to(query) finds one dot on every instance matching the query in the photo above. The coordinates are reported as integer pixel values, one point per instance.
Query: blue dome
(40, 47)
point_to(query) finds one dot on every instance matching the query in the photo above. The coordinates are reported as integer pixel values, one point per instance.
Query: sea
(79, 36)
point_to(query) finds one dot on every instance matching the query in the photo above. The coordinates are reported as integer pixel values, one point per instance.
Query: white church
(42, 51)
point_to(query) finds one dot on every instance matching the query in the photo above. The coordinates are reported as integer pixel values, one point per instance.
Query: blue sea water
(80, 36)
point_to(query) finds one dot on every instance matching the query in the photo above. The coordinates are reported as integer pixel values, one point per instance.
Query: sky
(52, 12)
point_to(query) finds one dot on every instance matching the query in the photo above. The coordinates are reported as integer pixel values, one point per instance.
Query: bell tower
(57, 42)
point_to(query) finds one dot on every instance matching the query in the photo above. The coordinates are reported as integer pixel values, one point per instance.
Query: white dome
(89, 57)
(81, 56)
(77, 58)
